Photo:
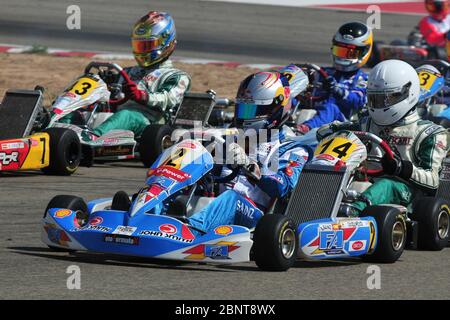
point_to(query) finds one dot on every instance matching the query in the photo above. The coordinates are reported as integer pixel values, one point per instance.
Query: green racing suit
(422, 147)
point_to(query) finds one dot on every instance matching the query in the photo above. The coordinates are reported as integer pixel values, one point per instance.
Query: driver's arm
(290, 166)
(353, 98)
(171, 92)
(432, 152)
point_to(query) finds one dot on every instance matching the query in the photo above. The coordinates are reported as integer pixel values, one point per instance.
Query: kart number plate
(83, 86)
(338, 147)
(427, 79)
(120, 239)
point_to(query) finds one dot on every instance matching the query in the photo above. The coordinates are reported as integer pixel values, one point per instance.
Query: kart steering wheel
(109, 67)
(312, 70)
(374, 139)
(235, 169)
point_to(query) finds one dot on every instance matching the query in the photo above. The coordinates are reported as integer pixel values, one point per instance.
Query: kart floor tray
(18, 112)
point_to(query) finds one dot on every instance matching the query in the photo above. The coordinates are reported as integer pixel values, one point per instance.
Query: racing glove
(397, 167)
(134, 93)
(238, 154)
(335, 89)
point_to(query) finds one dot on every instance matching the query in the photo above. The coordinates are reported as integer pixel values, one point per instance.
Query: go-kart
(25, 144)
(435, 92)
(91, 99)
(336, 178)
(309, 223)
(412, 50)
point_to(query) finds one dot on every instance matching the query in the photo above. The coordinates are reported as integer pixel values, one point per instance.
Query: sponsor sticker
(217, 252)
(168, 228)
(121, 239)
(159, 234)
(62, 213)
(13, 145)
(96, 221)
(172, 173)
(358, 245)
(223, 230)
(124, 230)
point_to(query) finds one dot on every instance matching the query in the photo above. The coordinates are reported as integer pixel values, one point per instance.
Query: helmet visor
(249, 111)
(142, 46)
(344, 51)
(386, 99)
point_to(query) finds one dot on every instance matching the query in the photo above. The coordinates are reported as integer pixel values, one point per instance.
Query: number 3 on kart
(338, 147)
(82, 86)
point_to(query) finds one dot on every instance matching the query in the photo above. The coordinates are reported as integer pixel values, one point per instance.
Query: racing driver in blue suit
(271, 171)
(344, 90)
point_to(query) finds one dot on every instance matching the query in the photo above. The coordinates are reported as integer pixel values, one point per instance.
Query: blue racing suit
(348, 97)
(244, 201)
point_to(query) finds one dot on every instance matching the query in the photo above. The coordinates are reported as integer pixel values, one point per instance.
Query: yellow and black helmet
(352, 46)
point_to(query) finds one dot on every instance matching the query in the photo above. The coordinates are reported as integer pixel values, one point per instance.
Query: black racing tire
(65, 152)
(67, 202)
(154, 140)
(433, 217)
(391, 233)
(275, 243)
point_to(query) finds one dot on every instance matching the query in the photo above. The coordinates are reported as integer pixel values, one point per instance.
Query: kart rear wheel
(433, 216)
(154, 140)
(67, 202)
(391, 233)
(65, 152)
(275, 243)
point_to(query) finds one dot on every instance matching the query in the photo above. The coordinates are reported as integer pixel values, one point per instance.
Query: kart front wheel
(154, 140)
(68, 202)
(391, 233)
(275, 243)
(65, 152)
(433, 216)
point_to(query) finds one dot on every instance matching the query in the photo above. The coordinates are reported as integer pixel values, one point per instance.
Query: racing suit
(245, 200)
(165, 87)
(422, 146)
(435, 31)
(347, 98)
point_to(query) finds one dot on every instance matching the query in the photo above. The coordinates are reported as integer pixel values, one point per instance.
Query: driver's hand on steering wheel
(397, 167)
(335, 89)
(132, 91)
(238, 155)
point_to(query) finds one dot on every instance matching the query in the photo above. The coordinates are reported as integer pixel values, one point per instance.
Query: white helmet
(393, 90)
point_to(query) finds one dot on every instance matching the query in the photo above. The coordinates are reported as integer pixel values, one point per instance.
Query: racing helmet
(393, 90)
(263, 101)
(352, 46)
(153, 38)
(438, 9)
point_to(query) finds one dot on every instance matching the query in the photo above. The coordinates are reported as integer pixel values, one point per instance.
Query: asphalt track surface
(208, 30)
(29, 270)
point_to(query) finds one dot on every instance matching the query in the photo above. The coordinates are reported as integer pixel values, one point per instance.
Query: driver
(346, 83)
(263, 102)
(419, 145)
(156, 85)
(435, 26)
